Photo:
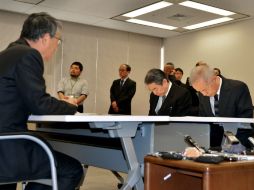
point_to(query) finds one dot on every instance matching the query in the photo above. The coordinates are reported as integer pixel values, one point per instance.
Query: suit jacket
(177, 102)
(234, 101)
(122, 95)
(23, 92)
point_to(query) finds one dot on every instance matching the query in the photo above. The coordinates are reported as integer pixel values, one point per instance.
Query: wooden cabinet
(161, 174)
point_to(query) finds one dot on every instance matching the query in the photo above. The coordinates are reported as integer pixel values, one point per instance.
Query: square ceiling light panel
(180, 16)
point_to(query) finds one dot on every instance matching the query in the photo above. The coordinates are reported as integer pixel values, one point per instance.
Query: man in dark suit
(234, 100)
(178, 77)
(166, 98)
(23, 92)
(169, 69)
(122, 92)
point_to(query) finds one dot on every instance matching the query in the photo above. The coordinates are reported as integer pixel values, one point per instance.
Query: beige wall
(229, 47)
(101, 51)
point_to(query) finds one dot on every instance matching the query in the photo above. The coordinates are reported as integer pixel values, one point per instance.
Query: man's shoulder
(65, 78)
(179, 92)
(131, 81)
(233, 84)
(116, 80)
(83, 81)
(19, 50)
(178, 88)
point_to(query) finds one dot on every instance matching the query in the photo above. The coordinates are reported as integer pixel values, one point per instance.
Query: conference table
(120, 143)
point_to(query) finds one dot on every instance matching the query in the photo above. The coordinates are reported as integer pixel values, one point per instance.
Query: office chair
(34, 139)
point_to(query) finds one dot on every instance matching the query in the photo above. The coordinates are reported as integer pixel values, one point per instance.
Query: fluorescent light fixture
(153, 24)
(208, 23)
(162, 57)
(206, 8)
(147, 9)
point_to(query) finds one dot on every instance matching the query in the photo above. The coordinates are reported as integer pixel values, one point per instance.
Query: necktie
(216, 105)
(121, 83)
(159, 103)
(163, 99)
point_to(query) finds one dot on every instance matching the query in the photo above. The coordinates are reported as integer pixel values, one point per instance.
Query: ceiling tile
(100, 12)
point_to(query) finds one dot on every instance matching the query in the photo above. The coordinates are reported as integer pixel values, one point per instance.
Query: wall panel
(228, 47)
(101, 51)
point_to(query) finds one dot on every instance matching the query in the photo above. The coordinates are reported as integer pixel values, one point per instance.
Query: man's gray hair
(38, 24)
(155, 76)
(202, 72)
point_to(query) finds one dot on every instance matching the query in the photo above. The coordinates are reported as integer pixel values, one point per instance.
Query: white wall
(229, 47)
(101, 51)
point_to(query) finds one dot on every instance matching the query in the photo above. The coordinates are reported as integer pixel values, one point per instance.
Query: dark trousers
(216, 136)
(69, 174)
(217, 132)
(243, 135)
(80, 109)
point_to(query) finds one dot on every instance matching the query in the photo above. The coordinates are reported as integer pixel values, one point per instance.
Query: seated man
(166, 98)
(221, 97)
(23, 92)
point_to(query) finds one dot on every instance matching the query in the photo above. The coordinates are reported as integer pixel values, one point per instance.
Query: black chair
(43, 144)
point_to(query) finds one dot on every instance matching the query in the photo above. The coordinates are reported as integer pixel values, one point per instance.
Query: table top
(134, 118)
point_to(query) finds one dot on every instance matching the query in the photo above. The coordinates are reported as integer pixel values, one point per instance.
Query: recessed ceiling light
(206, 8)
(153, 24)
(168, 7)
(208, 23)
(147, 9)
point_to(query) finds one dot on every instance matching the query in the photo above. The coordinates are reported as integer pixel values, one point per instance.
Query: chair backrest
(34, 139)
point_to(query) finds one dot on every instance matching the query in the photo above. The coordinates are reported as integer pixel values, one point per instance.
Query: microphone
(190, 141)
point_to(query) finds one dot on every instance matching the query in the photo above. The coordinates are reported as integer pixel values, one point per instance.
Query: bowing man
(166, 98)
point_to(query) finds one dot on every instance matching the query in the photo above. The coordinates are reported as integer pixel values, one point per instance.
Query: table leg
(134, 178)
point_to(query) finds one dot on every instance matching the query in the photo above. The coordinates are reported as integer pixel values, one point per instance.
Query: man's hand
(72, 101)
(114, 106)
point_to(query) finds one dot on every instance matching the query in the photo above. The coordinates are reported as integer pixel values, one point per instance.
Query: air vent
(179, 17)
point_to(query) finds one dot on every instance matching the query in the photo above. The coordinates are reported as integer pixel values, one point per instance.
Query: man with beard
(74, 87)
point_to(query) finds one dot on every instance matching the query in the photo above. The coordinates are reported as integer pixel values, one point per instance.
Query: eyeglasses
(59, 39)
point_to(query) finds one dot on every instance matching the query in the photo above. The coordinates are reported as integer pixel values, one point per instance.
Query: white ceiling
(100, 12)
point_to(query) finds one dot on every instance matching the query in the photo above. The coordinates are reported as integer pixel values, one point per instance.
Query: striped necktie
(216, 106)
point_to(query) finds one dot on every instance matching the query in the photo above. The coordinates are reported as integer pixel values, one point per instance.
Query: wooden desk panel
(198, 176)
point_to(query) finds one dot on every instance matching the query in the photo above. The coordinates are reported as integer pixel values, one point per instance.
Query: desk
(185, 174)
(138, 136)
